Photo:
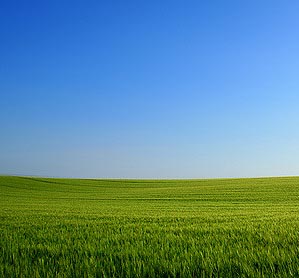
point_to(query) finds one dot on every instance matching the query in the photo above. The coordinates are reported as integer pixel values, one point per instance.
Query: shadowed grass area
(149, 228)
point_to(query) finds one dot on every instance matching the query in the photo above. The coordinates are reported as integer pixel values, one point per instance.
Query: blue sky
(149, 89)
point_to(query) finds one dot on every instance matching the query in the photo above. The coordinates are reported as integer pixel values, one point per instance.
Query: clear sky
(149, 89)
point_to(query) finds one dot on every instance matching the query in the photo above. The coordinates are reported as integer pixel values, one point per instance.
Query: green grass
(149, 228)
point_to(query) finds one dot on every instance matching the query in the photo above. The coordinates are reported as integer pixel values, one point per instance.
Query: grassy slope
(131, 228)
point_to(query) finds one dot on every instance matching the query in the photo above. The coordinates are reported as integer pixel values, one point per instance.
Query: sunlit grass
(133, 228)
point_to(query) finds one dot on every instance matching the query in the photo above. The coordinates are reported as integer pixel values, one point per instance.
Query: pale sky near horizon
(149, 89)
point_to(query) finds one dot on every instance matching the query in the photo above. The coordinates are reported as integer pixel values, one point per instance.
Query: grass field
(149, 228)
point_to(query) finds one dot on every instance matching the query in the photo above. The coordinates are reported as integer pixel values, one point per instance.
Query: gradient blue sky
(149, 89)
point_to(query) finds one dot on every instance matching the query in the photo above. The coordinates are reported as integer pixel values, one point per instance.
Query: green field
(149, 228)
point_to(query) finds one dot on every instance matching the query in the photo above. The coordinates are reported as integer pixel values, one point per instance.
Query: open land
(149, 228)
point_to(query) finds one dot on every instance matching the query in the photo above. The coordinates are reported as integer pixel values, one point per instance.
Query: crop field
(149, 228)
